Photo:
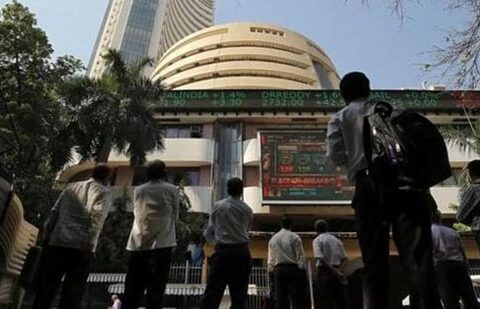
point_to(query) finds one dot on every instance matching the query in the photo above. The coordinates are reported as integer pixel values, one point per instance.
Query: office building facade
(147, 28)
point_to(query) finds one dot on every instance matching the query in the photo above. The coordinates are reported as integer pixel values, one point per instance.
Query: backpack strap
(383, 108)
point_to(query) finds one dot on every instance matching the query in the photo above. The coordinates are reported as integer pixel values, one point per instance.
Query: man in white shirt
(71, 236)
(331, 258)
(152, 239)
(451, 265)
(230, 265)
(286, 259)
(405, 210)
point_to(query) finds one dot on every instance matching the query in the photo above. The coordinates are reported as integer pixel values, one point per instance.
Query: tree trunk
(105, 151)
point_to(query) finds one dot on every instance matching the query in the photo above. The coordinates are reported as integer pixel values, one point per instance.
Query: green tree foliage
(113, 111)
(30, 116)
(111, 255)
(189, 226)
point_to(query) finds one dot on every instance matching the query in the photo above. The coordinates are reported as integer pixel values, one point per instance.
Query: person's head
(474, 169)
(321, 226)
(101, 172)
(114, 297)
(354, 86)
(436, 216)
(156, 170)
(235, 187)
(286, 222)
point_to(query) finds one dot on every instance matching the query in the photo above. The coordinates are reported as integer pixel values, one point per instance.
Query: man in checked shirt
(469, 209)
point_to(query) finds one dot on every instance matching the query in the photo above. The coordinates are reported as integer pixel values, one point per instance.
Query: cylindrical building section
(246, 56)
(182, 18)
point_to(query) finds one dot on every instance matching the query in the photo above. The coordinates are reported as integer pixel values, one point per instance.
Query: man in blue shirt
(230, 265)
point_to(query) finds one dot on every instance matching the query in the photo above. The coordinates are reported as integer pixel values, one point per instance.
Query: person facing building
(286, 260)
(70, 239)
(451, 267)
(230, 265)
(406, 210)
(152, 239)
(330, 260)
(469, 209)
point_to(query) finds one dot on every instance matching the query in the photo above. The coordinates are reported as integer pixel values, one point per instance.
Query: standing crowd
(432, 255)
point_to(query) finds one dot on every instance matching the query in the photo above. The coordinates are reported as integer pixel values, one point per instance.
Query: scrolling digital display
(295, 169)
(307, 100)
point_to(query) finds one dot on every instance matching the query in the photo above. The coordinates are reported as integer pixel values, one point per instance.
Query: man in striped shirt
(469, 209)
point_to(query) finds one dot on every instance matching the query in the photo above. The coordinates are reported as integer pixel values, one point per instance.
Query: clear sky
(369, 39)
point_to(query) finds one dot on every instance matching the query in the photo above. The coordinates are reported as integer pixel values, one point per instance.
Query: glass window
(175, 175)
(322, 75)
(184, 176)
(139, 29)
(183, 131)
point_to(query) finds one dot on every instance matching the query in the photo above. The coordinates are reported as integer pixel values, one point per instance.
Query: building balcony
(253, 197)
(458, 158)
(251, 152)
(444, 196)
(178, 152)
(200, 197)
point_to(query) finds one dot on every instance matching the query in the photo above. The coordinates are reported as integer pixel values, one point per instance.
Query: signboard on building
(308, 100)
(295, 169)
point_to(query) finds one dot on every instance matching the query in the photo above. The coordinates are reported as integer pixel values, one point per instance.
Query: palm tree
(467, 140)
(113, 111)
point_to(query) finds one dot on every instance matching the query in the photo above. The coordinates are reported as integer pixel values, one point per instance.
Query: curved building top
(246, 56)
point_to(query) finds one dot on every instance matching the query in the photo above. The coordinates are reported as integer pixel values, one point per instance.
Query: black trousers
(229, 265)
(57, 262)
(331, 292)
(147, 270)
(408, 214)
(454, 285)
(477, 238)
(290, 287)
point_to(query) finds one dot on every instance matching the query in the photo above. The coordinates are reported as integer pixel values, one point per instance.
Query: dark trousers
(229, 265)
(477, 238)
(148, 270)
(332, 293)
(57, 262)
(290, 284)
(454, 285)
(408, 213)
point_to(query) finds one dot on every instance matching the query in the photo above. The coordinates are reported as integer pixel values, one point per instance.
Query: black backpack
(403, 148)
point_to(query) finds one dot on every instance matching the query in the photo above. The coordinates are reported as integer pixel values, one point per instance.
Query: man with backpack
(380, 203)
(469, 210)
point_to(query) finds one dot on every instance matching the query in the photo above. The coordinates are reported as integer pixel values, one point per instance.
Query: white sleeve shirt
(155, 207)
(328, 247)
(82, 209)
(345, 138)
(285, 247)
